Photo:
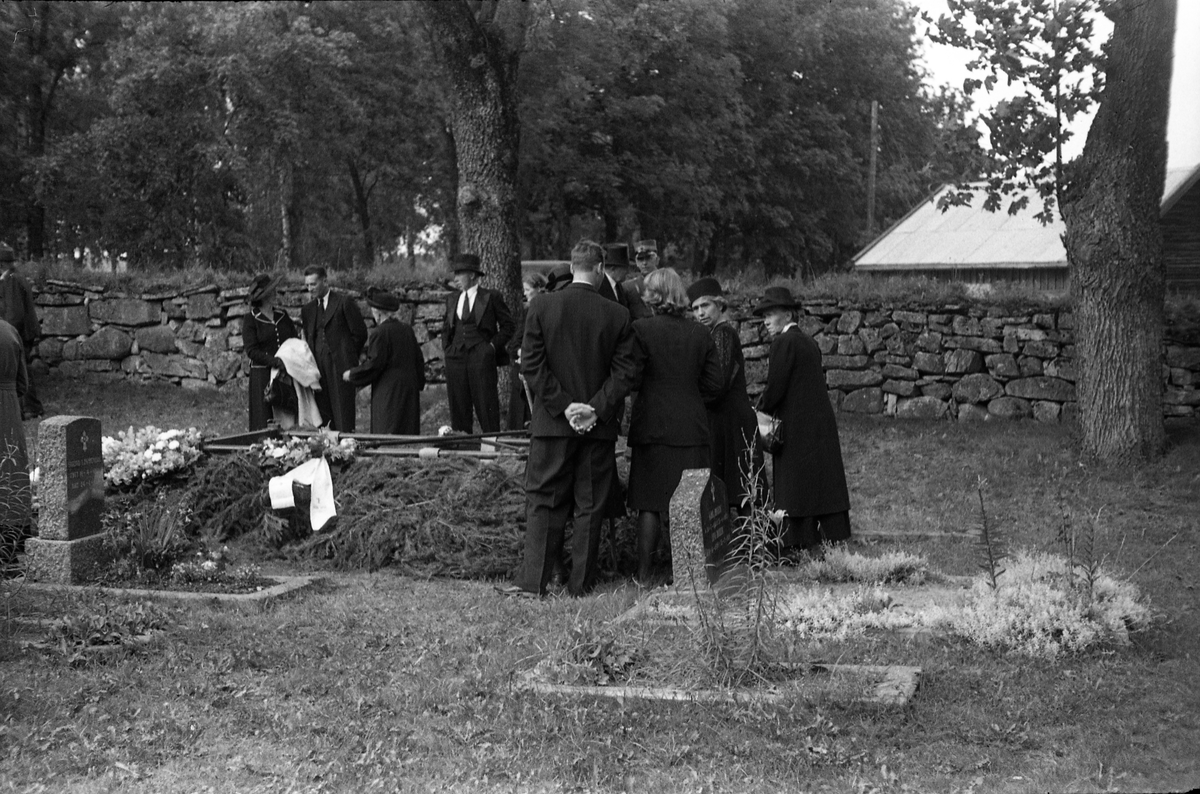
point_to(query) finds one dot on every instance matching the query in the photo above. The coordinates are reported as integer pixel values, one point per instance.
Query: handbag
(770, 431)
(281, 393)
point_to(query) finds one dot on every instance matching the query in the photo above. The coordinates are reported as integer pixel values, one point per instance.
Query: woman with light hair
(678, 371)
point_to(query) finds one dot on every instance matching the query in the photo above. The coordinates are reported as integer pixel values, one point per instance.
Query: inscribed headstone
(701, 532)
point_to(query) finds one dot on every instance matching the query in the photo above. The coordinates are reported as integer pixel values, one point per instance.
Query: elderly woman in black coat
(678, 371)
(394, 369)
(263, 331)
(809, 480)
(731, 424)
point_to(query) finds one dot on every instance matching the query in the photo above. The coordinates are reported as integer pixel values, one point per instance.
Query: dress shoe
(514, 591)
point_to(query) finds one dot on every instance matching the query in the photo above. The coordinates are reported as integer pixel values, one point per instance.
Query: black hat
(465, 262)
(705, 288)
(616, 255)
(775, 298)
(558, 277)
(383, 300)
(262, 284)
(646, 245)
(6, 253)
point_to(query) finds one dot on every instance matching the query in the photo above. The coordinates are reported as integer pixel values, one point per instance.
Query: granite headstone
(701, 530)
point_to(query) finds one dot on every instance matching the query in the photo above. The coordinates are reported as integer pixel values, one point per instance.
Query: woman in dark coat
(810, 481)
(394, 369)
(731, 425)
(263, 331)
(14, 461)
(678, 370)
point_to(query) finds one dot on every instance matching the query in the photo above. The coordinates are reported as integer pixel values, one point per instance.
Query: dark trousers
(31, 406)
(471, 382)
(335, 398)
(562, 472)
(809, 532)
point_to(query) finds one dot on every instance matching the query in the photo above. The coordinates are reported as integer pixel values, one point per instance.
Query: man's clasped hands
(581, 416)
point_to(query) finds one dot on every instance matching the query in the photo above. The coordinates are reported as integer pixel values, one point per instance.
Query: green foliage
(76, 637)
(841, 565)
(593, 656)
(151, 536)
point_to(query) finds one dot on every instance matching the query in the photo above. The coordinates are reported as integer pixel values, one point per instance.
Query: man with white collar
(476, 331)
(335, 332)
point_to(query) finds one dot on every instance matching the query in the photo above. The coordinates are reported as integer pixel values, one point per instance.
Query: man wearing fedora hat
(394, 369)
(809, 483)
(17, 308)
(614, 285)
(335, 331)
(476, 332)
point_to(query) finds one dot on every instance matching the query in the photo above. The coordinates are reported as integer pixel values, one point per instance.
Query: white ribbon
(313, 473)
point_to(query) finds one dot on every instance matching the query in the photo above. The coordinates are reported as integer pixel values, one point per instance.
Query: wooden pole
(873, 164)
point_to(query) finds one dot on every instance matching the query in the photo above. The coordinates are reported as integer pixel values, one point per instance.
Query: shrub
(840, 565)
(1043, 608)
(152, 536)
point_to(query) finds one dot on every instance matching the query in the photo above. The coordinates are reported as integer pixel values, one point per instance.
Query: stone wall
(962, 362)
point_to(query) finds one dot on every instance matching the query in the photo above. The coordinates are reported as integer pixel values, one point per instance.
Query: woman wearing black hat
(263, 331)
(731, 424)
(809, 481)
(394, 369)
(678, 372)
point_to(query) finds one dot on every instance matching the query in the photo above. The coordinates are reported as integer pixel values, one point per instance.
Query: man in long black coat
(18, 309)
(394, 369)
(335, 331)
(577, 355)
(810, 480)
(477, 327)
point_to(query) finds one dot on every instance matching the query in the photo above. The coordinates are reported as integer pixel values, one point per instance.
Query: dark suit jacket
(678, 371)
(17, 307)
(809, 477)
(345, 331)
(578, 347)
(395, 370)
(492, 317)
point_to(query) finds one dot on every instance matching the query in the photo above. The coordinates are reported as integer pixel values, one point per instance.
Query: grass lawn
(382, 682)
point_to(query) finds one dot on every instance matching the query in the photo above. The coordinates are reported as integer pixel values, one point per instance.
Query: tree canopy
(260, 133)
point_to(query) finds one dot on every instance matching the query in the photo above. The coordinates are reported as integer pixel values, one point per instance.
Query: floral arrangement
(1045, 609)
(213, 568)
(135, 456)
(288, 453)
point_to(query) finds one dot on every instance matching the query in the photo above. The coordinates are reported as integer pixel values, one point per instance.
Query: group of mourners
(593, 336)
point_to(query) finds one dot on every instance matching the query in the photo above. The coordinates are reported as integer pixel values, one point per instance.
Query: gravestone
(70, 539)
(701, 530)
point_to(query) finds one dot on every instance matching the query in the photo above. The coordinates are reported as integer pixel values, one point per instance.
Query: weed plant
(75, 637)
(839, 564)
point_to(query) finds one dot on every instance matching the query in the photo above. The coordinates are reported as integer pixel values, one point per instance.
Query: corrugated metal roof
(971, 237)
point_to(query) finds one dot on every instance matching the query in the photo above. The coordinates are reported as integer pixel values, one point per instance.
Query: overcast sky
(1183, 130)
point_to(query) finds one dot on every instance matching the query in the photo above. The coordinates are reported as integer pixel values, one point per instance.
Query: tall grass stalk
(990, 542)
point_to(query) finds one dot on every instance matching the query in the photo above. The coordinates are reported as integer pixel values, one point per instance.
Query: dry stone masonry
(962, 362)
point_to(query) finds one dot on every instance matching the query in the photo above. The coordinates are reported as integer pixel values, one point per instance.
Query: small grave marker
(701, 531)
(71, 495)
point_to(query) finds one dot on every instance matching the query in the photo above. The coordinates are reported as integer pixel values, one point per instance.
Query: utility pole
(871, 168)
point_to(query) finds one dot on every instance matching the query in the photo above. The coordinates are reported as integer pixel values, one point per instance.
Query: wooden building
(972, 245)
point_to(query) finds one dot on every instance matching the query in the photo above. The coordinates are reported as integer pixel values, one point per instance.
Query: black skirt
(655, 471)
(260, 412)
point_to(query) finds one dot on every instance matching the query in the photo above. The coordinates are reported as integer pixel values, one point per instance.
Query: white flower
(155, 457)
(278, 452)
(149, 454)
(208, 565)
(173, 445)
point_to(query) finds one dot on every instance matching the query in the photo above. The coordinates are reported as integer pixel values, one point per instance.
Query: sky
(947, 65)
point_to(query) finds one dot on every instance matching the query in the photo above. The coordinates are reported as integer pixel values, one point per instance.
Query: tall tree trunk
(362, 209)
(450, 230)
(479, 46)
(286, 241)
(1114, 244)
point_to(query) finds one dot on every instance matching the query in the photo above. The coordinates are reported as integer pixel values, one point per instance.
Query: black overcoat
(395, 370)
(809, 477)
(345, 335)
(731, 423)
(678, 371)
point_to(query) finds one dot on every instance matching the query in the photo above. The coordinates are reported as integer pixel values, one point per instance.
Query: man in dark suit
(335, 331)
(577, 355)
(614, 285)
(477, 328)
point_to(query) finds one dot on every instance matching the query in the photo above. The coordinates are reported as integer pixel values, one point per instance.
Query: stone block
(875, 319)
(1029, 334)
(1002, 365)
(979, 343)
(65, 561)
(930, 342)
(976, 388)
(1030, 366)
(428, 311)
(961, 361)
(756, 370)
(218, 339)
(845, 362)
(1009, 408)
(1174, 396)
(71, 492)
(126, 311)
(813, 326)
(888, 330)
(912, 319)
(1041, 388)
(849, 322)
(156, 339)
(756, 351)
(901, 388)
(225, 366)
(1182, 357)
(871, 338)
(973, 413)
(175, 366)
(842, 378)
(1046, 411)
(50, 350)
(849, 345)
(966, 326)
(1042, 349)
(1182, 377)
(929, 363)
(65, 320)
(109, 342)
(922, 408)
(825, 343)
(898, 371)
(1070, 411)
(202, 306)
(190, 331)
(991, 328)
(1011, 344)
(1061, 368)
(1044, 321)
(938, 391)
(863, 401)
